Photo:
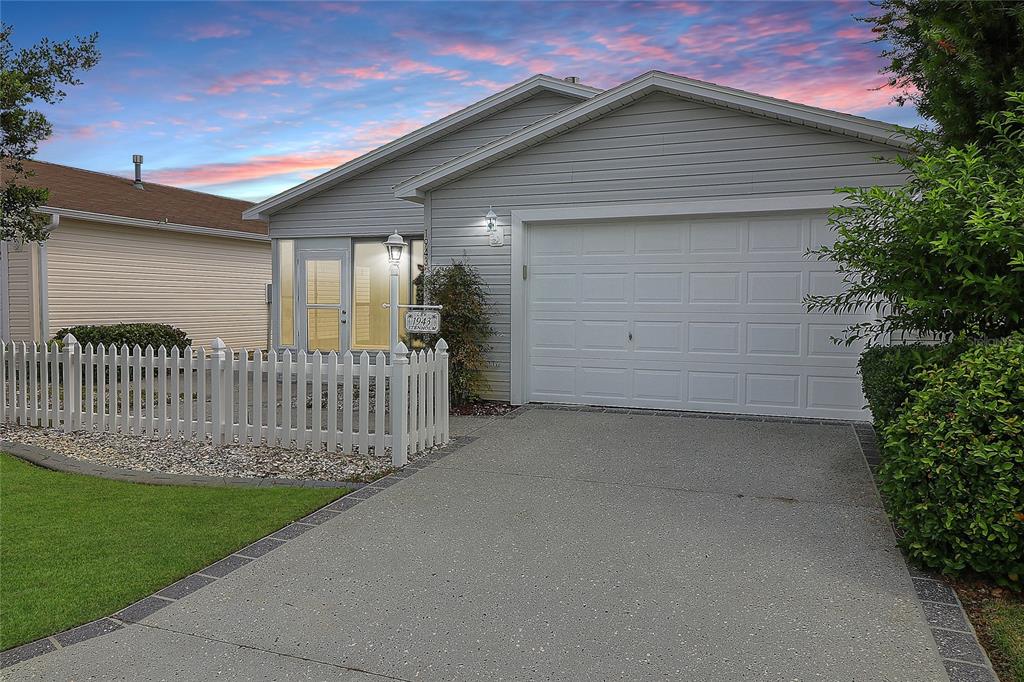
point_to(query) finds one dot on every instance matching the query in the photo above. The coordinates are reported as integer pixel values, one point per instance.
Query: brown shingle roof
(82, 190)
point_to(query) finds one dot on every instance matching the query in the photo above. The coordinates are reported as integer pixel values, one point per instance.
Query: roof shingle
(83, 190)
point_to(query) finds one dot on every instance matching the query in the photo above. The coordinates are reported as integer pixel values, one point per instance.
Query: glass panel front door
(324, 317)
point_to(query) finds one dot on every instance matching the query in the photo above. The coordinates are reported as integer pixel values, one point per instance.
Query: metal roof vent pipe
(572, 79)
(137, 160)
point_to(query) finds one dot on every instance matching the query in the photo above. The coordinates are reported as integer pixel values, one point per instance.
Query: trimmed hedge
(953, 464)
(890, 373)
(142, 334)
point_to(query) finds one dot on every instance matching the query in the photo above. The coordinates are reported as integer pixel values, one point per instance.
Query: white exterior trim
(432, 131)
(152, 224)
(857, 127)
(522, 220)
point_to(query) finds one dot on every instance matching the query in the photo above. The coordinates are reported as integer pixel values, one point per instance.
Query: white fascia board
(152, 224)
(418, 137)
(878, 132)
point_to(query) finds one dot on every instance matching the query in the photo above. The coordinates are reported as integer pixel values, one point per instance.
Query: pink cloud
(249, 80)
(256, 168)
(773, 25)
(376, 133)
(797, 49)
(852, 93)
(365, 73)
(636, 45)
(213, 31)
(184, 98)
(688, 8)
(856, 33)
(400, 68)
(236, 115)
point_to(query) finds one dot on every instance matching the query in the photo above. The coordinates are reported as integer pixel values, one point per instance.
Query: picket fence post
(441, 392)
(399, 405)
(218, 381)
(72, 373)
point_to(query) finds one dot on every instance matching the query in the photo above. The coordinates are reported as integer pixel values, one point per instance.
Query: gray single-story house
(649, 248)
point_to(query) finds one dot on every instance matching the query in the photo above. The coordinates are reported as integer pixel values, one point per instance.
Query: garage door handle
(630, 336)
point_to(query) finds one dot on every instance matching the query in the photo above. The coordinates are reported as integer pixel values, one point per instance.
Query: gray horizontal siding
(366, 204)
(659, 149)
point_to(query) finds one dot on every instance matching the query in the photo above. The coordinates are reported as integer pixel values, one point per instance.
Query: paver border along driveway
(563, 546)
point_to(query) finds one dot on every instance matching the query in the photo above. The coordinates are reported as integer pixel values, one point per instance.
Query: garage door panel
(716, 237)
(714, 337)
(692, 315)
(717, 388)
(774, 338)
(715, 287)
(773, 390)
(601, 335)
(598, 382)
(778, 237)
(652, 336)
(658, 287)
(605, 287)
(775, 287)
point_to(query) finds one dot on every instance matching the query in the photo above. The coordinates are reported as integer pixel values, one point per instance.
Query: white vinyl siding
(366, 205)
(660, 149)
(21, 291)
(207, 286)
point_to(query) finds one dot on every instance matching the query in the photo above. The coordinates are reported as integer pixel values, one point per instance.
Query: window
(286, 293)
(371, 289)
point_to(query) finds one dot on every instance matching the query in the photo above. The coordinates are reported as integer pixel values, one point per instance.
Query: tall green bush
(891, 373)
(465, 326)
(131, 334)
(943, 254)
(953, 464)
(954, 60)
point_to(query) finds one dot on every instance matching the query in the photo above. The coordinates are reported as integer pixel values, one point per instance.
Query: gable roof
(417, 138)
(858, 127)
(85, 194)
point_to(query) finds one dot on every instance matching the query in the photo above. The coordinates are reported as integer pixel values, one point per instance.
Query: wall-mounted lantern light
(496, 235)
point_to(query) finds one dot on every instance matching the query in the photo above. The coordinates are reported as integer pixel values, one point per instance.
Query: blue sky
(246, 99)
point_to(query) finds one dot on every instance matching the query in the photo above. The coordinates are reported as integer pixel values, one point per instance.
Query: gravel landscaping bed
(201, 458)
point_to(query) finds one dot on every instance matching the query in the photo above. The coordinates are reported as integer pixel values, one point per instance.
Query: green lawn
(1005, 624)
(74, 548)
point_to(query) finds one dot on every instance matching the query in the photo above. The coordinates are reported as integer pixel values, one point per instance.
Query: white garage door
(687, 314)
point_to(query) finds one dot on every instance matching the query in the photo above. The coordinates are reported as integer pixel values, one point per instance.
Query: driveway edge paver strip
(957, 642)
(220, 568)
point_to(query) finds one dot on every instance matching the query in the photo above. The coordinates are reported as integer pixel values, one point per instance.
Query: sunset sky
(247, 99)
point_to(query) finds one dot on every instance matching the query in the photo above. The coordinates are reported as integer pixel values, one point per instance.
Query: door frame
(524, 219)
(301, 257)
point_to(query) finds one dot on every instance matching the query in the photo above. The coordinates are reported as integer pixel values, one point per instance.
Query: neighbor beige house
(137, 252)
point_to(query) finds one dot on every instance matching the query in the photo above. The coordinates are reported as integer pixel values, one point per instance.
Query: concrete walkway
(566, 546)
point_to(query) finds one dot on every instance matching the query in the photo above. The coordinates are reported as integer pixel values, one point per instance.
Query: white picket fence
(291, 400)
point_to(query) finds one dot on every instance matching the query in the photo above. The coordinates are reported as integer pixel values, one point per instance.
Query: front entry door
(323, 300)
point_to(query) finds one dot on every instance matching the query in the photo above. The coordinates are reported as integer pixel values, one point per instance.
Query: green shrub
(465, 326)
(953, 464)
(945, 250)
(890, 373)
(142, 333)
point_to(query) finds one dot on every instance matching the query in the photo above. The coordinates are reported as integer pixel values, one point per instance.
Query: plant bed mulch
(998, 616)
(482, 408)
(201, 458)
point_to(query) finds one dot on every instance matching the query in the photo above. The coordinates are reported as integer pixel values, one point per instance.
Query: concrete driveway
(566, 546)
